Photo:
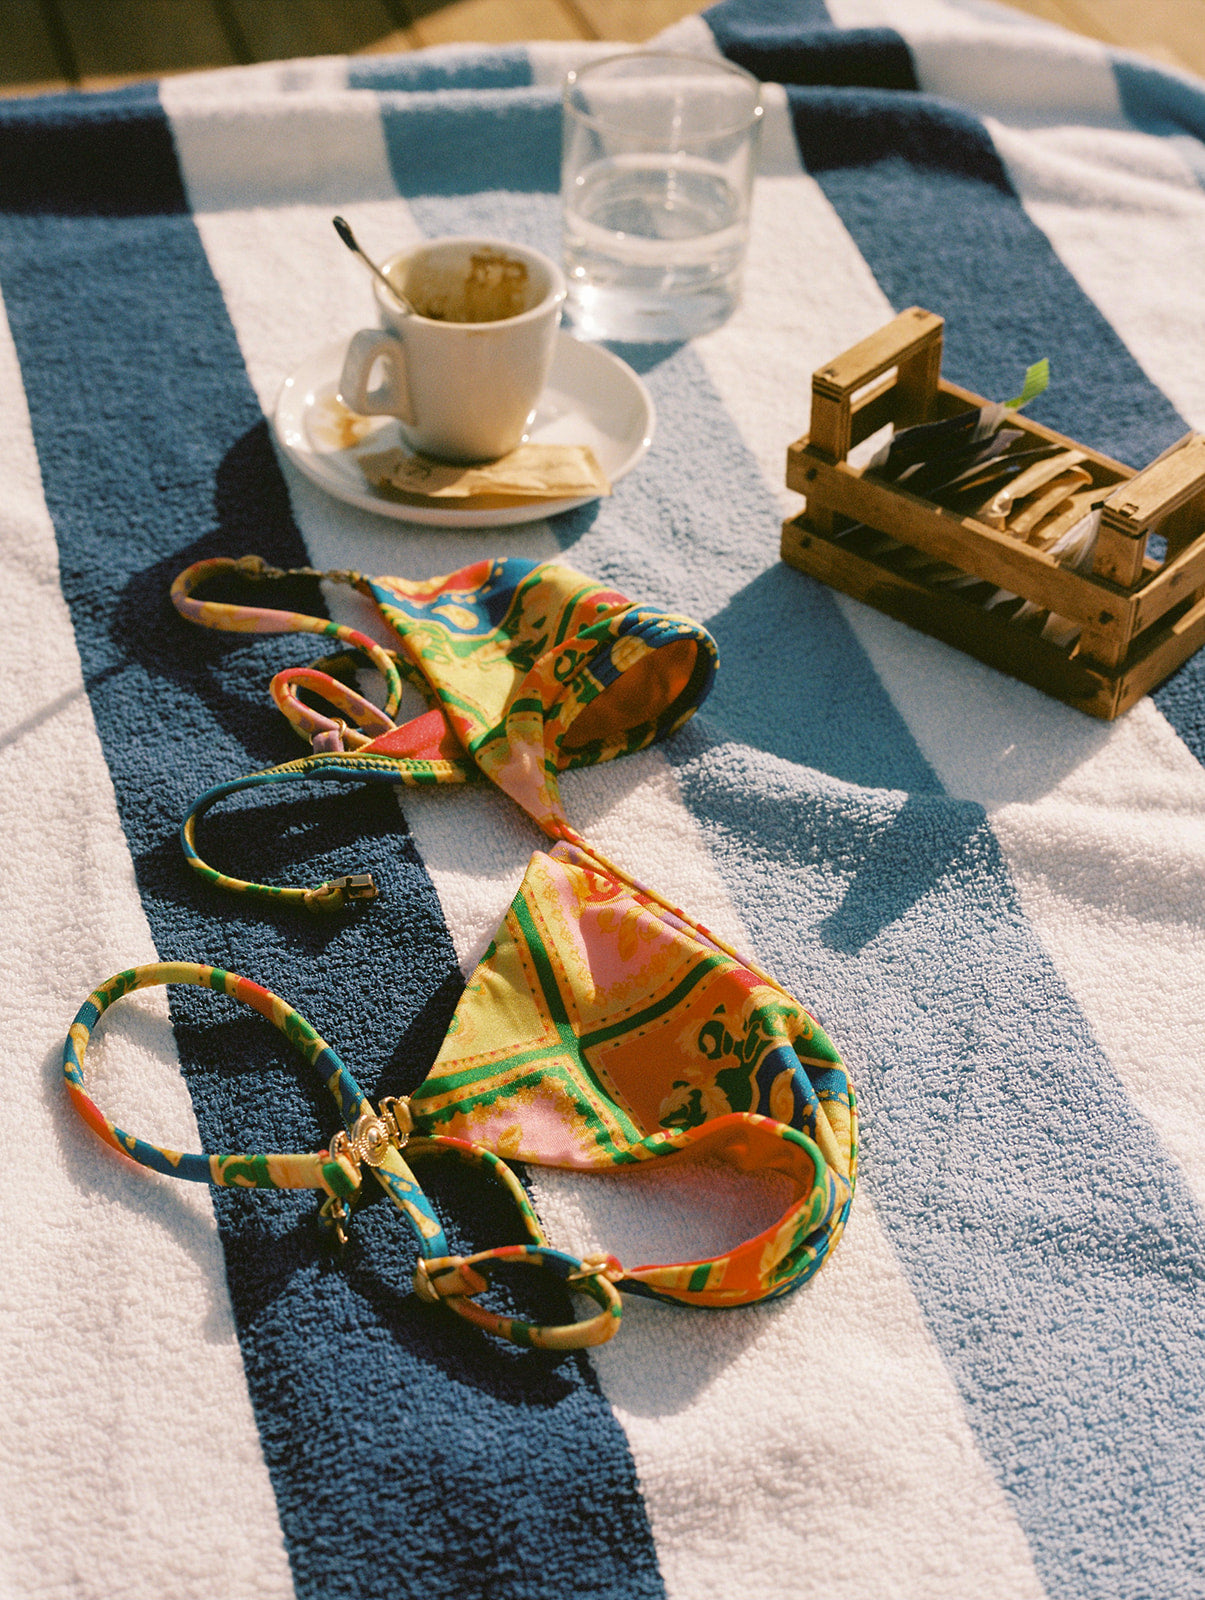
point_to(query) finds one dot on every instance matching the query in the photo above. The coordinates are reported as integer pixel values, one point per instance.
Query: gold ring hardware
(597, 1266)
(453, 1281)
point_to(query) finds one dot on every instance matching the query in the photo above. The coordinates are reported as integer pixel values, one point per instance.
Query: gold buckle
(368, 1143)
(338, 892)
(374, 1132)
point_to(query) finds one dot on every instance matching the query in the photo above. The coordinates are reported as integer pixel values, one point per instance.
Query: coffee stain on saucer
(334, 426)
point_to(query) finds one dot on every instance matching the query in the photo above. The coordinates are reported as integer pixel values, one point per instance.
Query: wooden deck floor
(89, 44)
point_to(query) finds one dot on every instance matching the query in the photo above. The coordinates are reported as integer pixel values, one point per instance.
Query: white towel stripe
(113, 1299)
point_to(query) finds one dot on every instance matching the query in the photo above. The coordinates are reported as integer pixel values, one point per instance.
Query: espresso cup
(464, 372)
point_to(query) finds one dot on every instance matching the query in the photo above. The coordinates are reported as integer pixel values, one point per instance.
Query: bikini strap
(260, 619)
(333, 894)
(326, 1170)
(371, 1137)
(337, 740)
(453, 1281)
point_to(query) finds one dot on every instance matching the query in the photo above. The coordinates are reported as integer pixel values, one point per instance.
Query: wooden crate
(1141, 617)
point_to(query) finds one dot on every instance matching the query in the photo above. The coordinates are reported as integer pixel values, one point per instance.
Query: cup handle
(391, 398)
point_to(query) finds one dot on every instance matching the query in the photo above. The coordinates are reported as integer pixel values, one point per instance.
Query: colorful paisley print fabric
(537, 669)
(530, 668)
(603, 1028)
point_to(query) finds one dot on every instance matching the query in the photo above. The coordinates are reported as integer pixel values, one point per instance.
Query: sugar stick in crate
(1027, 550)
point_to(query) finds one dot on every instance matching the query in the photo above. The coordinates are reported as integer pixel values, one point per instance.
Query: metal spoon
(343, 229)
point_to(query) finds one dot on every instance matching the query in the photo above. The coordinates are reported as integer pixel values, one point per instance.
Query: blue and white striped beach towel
(993, 904)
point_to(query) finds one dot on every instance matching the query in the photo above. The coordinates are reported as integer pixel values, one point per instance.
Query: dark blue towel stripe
(922, 191)
(482, 139)
(483, 69)
(1153, 98)
(899, 920)
(409, 1455)
(76, 146)
(794, 41)
(1168, 107)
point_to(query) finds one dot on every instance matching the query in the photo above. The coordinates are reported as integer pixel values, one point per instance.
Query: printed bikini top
(603, 1027)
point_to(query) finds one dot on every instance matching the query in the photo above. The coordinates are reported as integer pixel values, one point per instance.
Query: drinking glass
(656, 178)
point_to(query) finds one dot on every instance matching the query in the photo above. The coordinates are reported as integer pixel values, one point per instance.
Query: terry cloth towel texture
(993, 904)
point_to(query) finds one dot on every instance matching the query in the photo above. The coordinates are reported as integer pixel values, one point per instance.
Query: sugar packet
(531, 472)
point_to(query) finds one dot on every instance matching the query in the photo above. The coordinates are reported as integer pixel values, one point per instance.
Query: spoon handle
(343, 229)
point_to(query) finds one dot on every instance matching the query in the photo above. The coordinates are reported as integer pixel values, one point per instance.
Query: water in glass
(656, 180)
(653, 248)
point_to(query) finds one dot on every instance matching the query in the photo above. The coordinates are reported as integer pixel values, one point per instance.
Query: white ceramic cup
(463, 390)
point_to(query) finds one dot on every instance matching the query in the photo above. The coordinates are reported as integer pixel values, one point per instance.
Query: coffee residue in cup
(493, 289)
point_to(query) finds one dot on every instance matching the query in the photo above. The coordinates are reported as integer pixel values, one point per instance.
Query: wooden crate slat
(1120, 552)
(954, 621)
(911, 344)
(1181, 528)
(1170, 648)
(871, 413)
(993, 556)
(899, 339)
(1161, 488)
(1180, 577)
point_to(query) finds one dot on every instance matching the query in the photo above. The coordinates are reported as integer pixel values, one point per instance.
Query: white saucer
(591, 397)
